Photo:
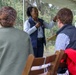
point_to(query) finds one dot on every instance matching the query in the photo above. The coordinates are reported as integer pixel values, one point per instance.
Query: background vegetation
(46, 12)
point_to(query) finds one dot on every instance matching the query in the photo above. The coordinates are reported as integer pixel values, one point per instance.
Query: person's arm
(49, 25)
(62, 42)
(30, 46)
(28, 29)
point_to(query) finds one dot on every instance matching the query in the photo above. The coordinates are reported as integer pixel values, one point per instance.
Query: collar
(66, 25)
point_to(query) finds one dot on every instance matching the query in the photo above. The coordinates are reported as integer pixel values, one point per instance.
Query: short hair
(7, 16)
(65, 15)
(29, 10)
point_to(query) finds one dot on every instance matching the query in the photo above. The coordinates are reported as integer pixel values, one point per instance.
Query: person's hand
(38, 24)
(55, 18)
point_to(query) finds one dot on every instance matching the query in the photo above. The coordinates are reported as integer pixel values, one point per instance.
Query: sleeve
(27, 28)
(49, 25)
(30, 47)
(62, 41)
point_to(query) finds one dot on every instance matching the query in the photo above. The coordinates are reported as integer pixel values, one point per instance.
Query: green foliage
(74, 19)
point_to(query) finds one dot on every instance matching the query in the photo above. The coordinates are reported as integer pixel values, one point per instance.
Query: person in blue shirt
(35, 26)
(66, 36)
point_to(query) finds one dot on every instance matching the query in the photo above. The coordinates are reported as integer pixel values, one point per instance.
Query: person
(15, 45)
(66, 37)
(35, 26)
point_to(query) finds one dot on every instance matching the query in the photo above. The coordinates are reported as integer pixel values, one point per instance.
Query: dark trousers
(39, 50)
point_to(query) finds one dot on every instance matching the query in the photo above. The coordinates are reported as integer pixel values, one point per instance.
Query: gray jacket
(15, 46)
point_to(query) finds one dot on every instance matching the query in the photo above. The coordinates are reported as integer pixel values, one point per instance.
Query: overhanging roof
(62, 3)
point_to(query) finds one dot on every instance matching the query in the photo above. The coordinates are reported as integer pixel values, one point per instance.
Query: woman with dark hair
(35, 26)
(15, 44)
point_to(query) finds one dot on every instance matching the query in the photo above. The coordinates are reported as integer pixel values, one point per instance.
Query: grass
(48, 50)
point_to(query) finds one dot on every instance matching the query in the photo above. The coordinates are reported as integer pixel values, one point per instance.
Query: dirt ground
(49, 51)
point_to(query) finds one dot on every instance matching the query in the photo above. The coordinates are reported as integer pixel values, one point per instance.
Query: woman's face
(34, 13)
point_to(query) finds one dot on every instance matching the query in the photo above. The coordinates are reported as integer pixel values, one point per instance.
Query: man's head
(64, 16)
(7, 16)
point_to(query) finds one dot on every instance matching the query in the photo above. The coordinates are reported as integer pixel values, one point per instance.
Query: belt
(40, 38)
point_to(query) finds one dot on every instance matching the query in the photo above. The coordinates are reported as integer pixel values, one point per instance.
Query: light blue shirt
(33, 29)
(62, 41)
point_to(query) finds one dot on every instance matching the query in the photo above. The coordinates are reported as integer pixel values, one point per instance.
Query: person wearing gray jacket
(15, 45)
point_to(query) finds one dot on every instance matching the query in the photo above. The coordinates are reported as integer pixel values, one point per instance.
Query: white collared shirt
(33, 29)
